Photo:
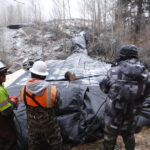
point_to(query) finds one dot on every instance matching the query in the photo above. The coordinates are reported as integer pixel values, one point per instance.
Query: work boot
(129, 141)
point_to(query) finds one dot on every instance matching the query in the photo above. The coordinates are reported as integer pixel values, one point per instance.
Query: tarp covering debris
(82, 111)
(80, 116)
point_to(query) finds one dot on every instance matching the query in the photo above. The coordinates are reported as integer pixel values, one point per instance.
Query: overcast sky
(46, 6)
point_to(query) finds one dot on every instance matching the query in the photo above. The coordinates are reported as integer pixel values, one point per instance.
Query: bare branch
(19, 2)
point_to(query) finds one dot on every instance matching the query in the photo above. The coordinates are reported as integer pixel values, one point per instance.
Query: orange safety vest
(46, 100)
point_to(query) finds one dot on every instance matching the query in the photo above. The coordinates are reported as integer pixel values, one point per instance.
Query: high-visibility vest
(46, 100)
(4, 104)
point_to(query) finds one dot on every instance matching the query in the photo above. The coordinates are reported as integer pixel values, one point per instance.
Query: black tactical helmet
(128, 51)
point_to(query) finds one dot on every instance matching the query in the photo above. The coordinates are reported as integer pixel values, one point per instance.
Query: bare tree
(18, 2)
(61, 10)
(58, 11)
(19, 12)
(69, 10)
(36, 11)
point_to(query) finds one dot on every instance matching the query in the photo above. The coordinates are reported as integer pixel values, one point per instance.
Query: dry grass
(142, 142)
(143, 139)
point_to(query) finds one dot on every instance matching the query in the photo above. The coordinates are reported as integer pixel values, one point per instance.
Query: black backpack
(132, 76)
(128, 83)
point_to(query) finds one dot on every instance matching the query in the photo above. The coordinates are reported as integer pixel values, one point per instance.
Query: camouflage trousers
(43, 130)
(44, 141)
(110, 137)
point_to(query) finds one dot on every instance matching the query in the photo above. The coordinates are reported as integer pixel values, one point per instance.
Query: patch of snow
(32, 41)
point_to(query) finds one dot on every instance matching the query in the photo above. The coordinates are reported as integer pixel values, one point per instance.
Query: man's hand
(14, 101)
(105, 85)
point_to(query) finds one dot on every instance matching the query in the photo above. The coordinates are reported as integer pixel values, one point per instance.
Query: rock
(58, 49)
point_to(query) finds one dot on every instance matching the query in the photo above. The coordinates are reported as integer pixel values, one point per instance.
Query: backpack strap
(120, 74)
(24, 96)
(53, 95)
(31, 96)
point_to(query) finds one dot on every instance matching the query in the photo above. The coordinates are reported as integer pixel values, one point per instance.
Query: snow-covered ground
(32, 41)
(88, 70)
(24, 43)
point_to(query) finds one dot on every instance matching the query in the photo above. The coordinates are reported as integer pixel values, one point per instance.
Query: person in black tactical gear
(127, 85)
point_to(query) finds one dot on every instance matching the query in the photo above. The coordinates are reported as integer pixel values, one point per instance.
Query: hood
(134, 69)
(37, 87)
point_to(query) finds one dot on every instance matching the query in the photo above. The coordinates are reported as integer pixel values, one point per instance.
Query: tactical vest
(128, 80)
(46, 100)
(128, 84)
(4, 104)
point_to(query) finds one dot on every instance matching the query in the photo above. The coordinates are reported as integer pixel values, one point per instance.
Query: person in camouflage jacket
(127, 85)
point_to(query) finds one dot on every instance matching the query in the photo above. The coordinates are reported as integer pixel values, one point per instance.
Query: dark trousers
(110, 137)
(8, 133)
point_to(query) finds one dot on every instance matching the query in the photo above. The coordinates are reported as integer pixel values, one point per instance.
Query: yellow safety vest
(4, 104)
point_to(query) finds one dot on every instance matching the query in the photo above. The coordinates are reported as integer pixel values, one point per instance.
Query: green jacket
(4, 104)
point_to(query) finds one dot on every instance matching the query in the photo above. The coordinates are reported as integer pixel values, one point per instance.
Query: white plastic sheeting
(12, 77)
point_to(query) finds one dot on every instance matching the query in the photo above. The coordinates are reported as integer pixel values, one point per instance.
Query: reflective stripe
(22, 95)
(4, 105)
(47, 100)
(5, 102)
(48, 97)
(53, 95)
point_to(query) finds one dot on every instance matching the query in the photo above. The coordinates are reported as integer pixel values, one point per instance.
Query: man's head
(39, 70)
(128, 51)
(70, 76)
(27, 63)
(3, 72)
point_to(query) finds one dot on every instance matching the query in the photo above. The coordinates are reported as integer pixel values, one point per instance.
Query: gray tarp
(81, 113)
(80, 116)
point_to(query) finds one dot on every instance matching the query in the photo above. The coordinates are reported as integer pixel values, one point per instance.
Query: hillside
(43, 40)
(32, 41)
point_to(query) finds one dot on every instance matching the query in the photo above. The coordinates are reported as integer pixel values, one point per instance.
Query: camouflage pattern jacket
(127, 85)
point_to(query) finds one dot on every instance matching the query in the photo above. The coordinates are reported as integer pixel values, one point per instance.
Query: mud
(142, 142)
